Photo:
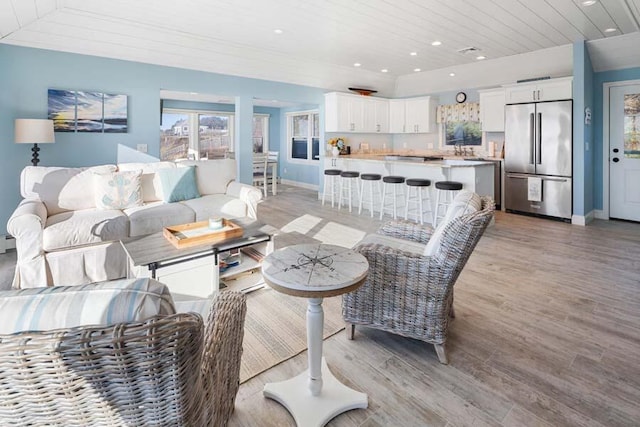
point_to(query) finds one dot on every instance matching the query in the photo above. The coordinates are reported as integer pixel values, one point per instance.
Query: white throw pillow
(213, 176)
(118, 190)
(151, 185)
(61, 189)
(464, 203)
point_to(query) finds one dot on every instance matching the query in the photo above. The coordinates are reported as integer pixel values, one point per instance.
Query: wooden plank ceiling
(321, 40)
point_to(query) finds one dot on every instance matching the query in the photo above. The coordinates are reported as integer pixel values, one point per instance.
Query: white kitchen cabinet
(376, 115)
(355, 113)
(543, 90)
(396, 115)
(412, 115)
(492, 109)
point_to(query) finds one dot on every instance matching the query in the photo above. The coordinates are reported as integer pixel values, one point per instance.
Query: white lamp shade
(34, 131)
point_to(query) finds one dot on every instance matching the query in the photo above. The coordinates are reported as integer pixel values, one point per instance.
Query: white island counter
(476, 176)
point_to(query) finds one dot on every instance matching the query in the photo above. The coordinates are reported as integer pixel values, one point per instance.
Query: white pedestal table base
(315, 411)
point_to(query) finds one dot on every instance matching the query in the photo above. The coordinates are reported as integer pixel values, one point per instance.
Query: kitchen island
(476, 176)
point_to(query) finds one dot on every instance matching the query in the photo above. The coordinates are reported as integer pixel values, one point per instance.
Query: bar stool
(369, 178)
(449, 188)
(415, 187)
(330, 180)
(347, 181)
(395, 182)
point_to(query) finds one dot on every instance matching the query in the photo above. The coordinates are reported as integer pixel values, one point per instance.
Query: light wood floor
(547, 332)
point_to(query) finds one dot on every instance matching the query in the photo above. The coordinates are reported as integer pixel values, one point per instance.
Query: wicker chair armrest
(390, 264)
(407, 230)
(222, 353)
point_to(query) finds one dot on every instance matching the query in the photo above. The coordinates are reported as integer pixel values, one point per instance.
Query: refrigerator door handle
(544, 178)
(539, 161)
(532, 138)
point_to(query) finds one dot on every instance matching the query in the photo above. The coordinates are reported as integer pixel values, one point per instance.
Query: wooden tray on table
(199, 233)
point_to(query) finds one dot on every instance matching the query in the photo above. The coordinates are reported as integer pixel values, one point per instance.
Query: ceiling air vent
(468, 50)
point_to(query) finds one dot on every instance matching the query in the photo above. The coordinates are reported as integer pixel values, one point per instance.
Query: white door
(624, 152)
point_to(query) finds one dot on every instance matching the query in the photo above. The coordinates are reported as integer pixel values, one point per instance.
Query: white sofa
(62, 237)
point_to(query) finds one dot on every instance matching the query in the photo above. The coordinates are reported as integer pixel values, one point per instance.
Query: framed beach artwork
(87, 111)
(62, 110)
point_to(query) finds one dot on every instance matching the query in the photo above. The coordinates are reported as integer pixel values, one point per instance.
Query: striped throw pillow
(105, 303)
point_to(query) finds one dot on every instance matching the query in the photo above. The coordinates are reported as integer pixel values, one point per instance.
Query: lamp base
(34, 159)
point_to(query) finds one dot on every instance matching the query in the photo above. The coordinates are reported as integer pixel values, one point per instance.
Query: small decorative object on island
(336, 145)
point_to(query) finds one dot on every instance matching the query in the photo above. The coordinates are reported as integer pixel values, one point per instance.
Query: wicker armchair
(408, 293)
(166, 371)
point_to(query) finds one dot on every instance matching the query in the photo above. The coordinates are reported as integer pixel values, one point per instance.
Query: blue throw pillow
(178, 184)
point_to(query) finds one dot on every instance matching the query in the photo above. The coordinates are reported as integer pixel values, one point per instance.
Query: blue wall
(582, 134)
(28, 73)
(599, 80)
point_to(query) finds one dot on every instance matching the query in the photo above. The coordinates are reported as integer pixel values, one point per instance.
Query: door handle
(532, 137)
(615, 160)
(539, 139)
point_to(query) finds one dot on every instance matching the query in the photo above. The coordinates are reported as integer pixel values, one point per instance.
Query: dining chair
(260, 171)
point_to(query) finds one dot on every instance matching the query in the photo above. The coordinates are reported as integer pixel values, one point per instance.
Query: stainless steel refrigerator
(538, 158)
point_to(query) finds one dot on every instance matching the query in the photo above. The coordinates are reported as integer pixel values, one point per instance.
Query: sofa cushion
(217, 205)
(152, 217)
(400, 244)
(61, 189)
(178, 184)
(84, 227)
(213, 176)
(106, 303)
(118, 190)
(151, 187)
(464, 203)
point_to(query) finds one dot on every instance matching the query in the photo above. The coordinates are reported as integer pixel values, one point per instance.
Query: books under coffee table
(194, 271)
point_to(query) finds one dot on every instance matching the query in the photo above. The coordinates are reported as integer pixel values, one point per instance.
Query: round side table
(315, 271)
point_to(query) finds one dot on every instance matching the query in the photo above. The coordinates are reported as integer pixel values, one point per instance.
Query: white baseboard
(582, 220)
(600, 214)
(300, 184)
(7, 242)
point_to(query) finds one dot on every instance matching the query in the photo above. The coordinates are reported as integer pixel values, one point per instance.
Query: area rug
(275, 329)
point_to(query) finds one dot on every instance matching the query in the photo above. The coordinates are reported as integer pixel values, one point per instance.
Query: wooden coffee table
(192, 271)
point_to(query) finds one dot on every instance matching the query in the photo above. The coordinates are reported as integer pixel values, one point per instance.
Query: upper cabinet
(412, 115)
(492, 109)
(355, 113)
(376, 115)
(542, 90)
(343, 113)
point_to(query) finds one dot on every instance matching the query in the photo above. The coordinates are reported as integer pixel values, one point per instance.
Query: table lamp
(34, 131)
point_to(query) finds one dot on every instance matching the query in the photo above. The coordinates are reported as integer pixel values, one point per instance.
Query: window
(214, 136)
(260, 133)
(303, 130)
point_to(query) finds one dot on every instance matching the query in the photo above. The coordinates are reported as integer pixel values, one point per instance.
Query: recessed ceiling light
(384, 70)
(610, 30)
(413, 53)
(278, 31)
(481, 57)
(436, 43)
(589, 2)
(417, 70)
(357, 64)
(193, 93)
(452, 74)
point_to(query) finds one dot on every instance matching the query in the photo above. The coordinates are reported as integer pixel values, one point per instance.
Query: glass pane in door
(258, 133)
(174, 136)
(214, 136)
(632, 126)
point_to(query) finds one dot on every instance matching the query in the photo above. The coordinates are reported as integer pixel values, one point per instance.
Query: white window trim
(265, 130)
(309, 160)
